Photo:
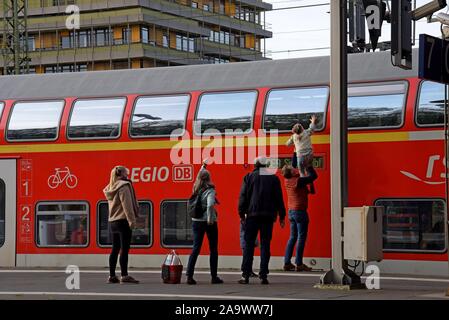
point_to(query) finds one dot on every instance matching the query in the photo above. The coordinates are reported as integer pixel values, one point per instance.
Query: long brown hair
(202, 182)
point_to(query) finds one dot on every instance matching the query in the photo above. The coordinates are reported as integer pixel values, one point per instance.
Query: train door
(7, 213)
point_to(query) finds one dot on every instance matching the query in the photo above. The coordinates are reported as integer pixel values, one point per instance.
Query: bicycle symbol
(56, 179)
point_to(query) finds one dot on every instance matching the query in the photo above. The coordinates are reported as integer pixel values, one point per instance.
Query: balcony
(166, 10)
(220, 49)
(53, 56)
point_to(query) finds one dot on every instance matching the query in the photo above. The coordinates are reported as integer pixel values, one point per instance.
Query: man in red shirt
(297, 193)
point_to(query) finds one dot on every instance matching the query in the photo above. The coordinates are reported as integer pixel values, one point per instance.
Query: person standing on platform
(260, 203)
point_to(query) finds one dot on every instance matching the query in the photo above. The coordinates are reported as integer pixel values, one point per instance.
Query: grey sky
(308, 28)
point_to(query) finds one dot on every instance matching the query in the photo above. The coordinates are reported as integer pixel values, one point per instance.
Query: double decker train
(60, 135)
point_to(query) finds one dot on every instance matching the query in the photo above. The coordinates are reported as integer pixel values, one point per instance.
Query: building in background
(122, 34)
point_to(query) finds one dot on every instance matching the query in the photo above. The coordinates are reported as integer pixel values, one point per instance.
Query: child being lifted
(303, 155)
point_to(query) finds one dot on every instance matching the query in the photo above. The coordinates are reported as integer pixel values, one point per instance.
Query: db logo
(182, 173)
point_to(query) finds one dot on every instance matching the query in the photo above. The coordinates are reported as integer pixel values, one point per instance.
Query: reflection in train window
(287, 107)
(34, 121)
(159, 116)
(229, 113)
(2, 213)
(62, 224)
(413, 225)
(431, 104)
(1, 109)
(142, 235)
(378, 105)
(99, 118)
(176, 224)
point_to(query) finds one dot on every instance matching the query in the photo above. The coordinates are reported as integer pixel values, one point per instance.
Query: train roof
(180, 79)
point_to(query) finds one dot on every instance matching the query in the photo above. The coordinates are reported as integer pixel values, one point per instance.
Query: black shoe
(244, 280)
(216, 280)
(264, 281)
(191, 281)
(113, 279)
(128, 279)
(253, 275)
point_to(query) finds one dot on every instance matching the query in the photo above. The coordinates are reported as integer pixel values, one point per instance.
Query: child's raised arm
(312, 126)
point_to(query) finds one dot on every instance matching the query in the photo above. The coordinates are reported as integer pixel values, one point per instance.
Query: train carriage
(60, 135)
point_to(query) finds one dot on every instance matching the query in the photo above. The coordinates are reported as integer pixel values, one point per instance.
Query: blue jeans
(200, 228)
(299, 224)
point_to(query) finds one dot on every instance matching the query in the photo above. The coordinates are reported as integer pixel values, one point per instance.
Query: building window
(225, 112)
(66, 42)
(431, 104)
(376, 105)
(184, 43)
(34, 121)
(84, 38)
(126, 35)
(142, 235)
(62, 224)
(102, 37)
(159, 116)
(66, 68)
(413, 224)
(97, 118)
(30, 42)
(178, 42)
(145, 35)
(194, 4)
(286, 107)
(166, 41)
(176, 224)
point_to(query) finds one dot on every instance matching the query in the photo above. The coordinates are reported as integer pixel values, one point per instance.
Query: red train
(60, 134)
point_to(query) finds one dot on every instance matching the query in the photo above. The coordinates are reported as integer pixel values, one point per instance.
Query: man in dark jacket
(259, 204)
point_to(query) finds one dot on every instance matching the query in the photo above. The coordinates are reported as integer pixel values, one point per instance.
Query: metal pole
(16, 37)
(339, 274)
(338, 137)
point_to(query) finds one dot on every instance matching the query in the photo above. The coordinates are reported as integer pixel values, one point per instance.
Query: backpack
(194, 206)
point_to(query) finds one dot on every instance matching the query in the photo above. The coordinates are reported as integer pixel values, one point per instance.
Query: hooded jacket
(122, 202)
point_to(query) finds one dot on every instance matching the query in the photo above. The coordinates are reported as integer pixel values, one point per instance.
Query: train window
(431, 104)
(413, 225)
(62, 224)
(34, 121)
(142, 235)
(2, 213)
(229, 113)
(378, 105)
(1, 109)
(286, 107)
(176, 226)
(159, 116)
(96, 119)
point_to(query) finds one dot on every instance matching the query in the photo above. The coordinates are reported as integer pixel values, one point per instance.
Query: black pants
(121, 239)
(254, 225)
(199, 229)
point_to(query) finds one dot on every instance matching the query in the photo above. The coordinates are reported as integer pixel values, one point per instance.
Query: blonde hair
(116, 174)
